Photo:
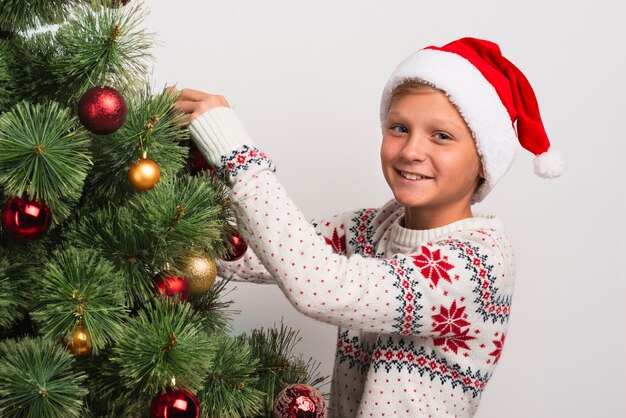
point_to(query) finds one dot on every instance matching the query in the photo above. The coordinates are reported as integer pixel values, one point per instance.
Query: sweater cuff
(218, 132)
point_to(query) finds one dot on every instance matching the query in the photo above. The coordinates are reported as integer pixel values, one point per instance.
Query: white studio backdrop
(306, 77)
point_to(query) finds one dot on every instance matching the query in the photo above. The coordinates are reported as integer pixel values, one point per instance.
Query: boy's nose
(416, 147)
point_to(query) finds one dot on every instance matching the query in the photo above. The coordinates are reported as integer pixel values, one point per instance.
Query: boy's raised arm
(455, 288)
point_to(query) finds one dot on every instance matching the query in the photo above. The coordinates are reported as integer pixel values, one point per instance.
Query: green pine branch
(152, 121)
(102, 45)
(278, 366)
(37, 380)
(229, 390)
(164, 341)
(20, 15)
(214, 311)
(10, 296)
(28, 62)
(78, 285)
(183, 212)
(6, 93)
(154, 228)
(114, 234)
(43, 156)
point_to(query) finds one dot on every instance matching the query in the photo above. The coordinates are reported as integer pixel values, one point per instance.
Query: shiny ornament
(196, 162)
(175, 403)
(239, 247)
(200, 272)
(80, 345)
(169, 285)
(144, 174)
(102, 110)
(299, 401)
(26, 219)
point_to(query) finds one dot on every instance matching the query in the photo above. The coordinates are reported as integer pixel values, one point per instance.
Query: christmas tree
(111, 225)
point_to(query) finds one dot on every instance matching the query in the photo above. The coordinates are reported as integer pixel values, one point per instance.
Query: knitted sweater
(421, 314)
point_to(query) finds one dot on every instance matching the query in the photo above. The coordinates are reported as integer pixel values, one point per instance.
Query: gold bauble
(200, 271)
(80, 345)
(144, 174)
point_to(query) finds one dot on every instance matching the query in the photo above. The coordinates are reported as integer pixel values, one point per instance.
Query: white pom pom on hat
(494, 98)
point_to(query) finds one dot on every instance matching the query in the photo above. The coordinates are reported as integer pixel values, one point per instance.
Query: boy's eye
(442, 135)
(399, 128)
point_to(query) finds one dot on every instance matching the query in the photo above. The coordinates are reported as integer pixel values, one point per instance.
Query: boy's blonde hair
(412, 87)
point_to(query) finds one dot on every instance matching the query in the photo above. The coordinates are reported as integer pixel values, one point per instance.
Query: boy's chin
(411, 201)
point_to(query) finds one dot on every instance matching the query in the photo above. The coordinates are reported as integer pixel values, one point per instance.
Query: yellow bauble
(144, 174)
(200, 272)
(80, 345)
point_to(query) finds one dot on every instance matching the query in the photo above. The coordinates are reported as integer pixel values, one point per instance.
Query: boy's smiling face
(426, 135)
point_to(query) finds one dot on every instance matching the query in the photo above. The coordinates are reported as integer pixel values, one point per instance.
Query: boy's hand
(195, 102)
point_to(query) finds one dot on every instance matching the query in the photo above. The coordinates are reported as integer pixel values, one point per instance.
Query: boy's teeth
(412, 176)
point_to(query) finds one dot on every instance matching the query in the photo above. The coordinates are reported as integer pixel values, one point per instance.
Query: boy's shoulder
(362, 224)
(370, 217)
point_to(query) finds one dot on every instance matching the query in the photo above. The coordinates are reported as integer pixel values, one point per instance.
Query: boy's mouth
(412, 176)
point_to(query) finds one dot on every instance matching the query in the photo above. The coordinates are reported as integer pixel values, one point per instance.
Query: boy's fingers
(185, 106)
(193, 95)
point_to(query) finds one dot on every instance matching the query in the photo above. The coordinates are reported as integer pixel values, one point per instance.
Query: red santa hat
(494, 98)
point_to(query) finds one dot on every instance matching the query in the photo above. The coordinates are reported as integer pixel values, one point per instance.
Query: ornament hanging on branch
(239, 247)
(175, 403)
(166, 284)
(196, 162)
(200, 271)
(26, 219)
(80, 342)
(144, 174)
(299, 401)
(102, 110)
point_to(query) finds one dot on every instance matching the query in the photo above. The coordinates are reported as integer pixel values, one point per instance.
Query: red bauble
(196, 162)
(26, 219)
(102, 110)
(239, 245)
(175, 403)
(299, 401)
(168, 285)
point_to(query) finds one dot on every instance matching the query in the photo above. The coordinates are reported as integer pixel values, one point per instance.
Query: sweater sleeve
(431, 291)
(249, 267)
(226, 133)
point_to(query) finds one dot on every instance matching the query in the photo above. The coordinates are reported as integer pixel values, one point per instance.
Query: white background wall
(306, 77)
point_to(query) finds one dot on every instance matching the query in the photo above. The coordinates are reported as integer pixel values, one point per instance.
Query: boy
(421, 288)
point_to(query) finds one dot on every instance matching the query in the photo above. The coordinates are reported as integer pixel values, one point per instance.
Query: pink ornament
(299, 401)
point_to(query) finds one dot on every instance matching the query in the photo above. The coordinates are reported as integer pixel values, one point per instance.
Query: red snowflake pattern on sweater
(454, 342)
(432, 265)
(338, 243)
(498, 351)
(449, 323)
(450, 320)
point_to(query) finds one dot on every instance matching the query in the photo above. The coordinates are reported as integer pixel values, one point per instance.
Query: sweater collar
(404, 237)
